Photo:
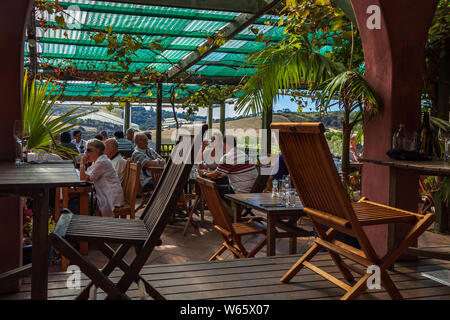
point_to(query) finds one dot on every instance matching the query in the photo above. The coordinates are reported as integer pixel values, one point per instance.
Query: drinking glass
(290, 197)
(447, 149)
(444, 139)
(274, 188)
(21, 133)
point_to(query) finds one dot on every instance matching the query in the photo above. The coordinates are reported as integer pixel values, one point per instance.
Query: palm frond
(281, 68)
(351, 87)
(38, 101)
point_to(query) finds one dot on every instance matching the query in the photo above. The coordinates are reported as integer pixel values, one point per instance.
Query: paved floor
(199, 245)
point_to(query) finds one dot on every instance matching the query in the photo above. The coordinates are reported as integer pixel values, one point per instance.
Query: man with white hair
(112, 151)
(147, 157)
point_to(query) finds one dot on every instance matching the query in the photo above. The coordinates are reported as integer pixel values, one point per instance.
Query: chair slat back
(173, 179)
(215, 204)
(125, 178)
(156, 173)
(133, 183)
(260, 184)
(312, 168)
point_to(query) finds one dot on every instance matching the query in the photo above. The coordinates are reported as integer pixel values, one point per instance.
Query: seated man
(279, 170)
(151, 143)
(119, 163)
(147, 157)
(123, 144)
(234, 165)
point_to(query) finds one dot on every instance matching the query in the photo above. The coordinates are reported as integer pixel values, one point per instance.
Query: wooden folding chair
(143, 234)
(130, 189)
(125, 178)
(156, 173)
(325, 200)
(258, 187)
(231, 232)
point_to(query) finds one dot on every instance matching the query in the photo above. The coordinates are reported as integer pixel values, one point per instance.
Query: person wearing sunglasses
(108, 190)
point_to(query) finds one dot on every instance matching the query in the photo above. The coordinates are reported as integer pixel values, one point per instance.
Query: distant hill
(146, 119)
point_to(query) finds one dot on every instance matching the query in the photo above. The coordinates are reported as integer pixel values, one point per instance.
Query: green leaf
(60, 20)
(99, 38)
(259, 37)
(202, 50)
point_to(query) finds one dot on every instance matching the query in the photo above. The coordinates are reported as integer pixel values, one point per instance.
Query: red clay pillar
(13, 18)
(395, 59)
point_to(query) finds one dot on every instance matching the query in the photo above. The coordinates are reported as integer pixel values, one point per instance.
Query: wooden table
(274, 215)
(432, 168)
(35, 181)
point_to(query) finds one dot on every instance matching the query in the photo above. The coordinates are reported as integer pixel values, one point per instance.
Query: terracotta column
(13, 19)
(395, 58)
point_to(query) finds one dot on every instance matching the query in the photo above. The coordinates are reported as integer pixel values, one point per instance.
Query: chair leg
(98, 278)
(390, 287)
(113, 256)
(357, 289)
(344, 271)
(124, 266)
(218, 253)
(412, 235)
(257, 248)
(315, 248)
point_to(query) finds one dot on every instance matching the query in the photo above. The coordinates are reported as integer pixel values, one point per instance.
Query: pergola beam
(249, 6)
(229, 31)
(161, 14)
(91, 43)
(83, 76)
(116, 99)
(164, 33)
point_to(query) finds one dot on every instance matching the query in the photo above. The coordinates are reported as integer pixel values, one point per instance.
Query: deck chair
(325, 201)
(231, 232)
(130, 189)
(141, 234)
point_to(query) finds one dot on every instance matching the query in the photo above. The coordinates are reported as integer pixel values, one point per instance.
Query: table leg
(271, 234)
(65, 204)
(39, 274)
(293, 240)
(84, 211)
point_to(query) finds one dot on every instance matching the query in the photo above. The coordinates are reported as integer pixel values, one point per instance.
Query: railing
(166, 150)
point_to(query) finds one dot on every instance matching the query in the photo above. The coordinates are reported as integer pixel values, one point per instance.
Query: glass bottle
(400, 138)
(425, 139)
(274, 188)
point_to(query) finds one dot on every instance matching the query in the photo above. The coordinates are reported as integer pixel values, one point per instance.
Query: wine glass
(443, 137)
(21, 133)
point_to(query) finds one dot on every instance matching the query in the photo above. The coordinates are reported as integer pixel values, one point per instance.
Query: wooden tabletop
(263, 202)
(437, 168)
(35, 175)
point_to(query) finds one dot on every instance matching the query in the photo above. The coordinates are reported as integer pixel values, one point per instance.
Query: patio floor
(179, 270)
(259, 278)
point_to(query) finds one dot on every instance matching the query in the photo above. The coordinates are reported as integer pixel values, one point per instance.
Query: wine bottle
(425, 141)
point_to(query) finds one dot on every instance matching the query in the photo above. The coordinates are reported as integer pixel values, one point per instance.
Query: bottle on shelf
(425, 141)
(400, 139)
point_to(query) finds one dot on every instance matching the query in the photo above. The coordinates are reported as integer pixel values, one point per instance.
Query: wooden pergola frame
(250, 10)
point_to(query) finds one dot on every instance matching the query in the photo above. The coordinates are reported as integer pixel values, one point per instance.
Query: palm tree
(298, 65)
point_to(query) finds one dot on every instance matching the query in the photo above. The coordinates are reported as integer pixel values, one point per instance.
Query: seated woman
(107, 185)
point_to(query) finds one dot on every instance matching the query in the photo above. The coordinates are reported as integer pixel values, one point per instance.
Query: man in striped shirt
(123, 144)
(234, 164)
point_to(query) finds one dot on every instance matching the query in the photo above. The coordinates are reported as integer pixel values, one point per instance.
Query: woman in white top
(107, 185)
